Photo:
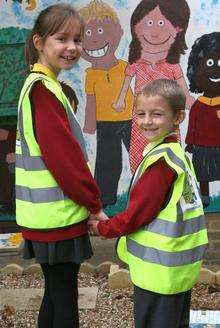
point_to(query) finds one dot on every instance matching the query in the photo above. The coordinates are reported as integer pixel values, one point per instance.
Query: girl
(55, 191)
(158, 30)
(203, 138)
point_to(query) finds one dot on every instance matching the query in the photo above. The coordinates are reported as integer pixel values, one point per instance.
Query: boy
(164, 224)
(103, 82)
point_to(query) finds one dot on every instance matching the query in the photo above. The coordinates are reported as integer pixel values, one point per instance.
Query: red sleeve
(60, 150)
(191, 125)
(146, 200)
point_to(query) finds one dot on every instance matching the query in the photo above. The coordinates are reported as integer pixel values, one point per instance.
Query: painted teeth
(214, 80)
(68, 57)
(97, 52)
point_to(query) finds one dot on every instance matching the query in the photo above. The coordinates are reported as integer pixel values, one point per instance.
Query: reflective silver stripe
(178, 228)
(24, 145)
(33, 163)
(39, 195)
(168, 259)
(172, 156)
(77, 131)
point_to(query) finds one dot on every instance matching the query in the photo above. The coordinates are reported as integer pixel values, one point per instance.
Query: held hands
(94, 220)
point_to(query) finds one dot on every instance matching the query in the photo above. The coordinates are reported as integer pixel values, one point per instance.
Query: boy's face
(155, 117)
(101, 39)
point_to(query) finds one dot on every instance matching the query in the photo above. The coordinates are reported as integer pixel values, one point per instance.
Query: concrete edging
(117, 277)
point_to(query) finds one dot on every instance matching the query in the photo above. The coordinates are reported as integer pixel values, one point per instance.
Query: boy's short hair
(97, 9)
(169, 90)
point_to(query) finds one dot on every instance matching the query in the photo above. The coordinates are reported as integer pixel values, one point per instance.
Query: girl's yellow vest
(40, 202)
(165, 255)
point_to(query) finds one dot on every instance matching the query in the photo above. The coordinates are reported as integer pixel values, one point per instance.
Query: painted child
(158, 30)
(103, 81)
(163, 228)
(203, 137)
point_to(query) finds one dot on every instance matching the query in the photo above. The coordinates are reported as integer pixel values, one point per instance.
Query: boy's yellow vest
(40, 202)
(165, 255)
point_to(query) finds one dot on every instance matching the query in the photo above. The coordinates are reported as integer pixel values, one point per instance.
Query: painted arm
(90, 115)
(189, 99)
(119, 105)
(3, 134)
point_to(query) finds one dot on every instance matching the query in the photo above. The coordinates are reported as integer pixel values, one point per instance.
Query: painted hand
(89, 128)
(189, 101)
(118, 106)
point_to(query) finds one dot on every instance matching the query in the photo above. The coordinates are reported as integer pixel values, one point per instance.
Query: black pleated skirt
(75, 250)
(206, 161)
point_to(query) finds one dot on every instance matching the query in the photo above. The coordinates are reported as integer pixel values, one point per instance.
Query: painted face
(155, 117)
(155, 32)
(62, 49)
(101, 39)
(208, 74)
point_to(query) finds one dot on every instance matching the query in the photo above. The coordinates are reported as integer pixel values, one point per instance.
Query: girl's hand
(93, 227)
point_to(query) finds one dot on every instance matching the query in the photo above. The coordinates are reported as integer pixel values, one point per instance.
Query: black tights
(59, 307)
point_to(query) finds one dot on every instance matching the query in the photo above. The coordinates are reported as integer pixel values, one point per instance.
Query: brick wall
(212, 256)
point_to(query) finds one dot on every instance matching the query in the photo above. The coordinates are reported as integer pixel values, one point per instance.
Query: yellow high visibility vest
(165, 255)
(40, 202)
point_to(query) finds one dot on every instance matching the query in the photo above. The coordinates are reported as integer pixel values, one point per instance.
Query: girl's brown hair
(47, 23)
(177, 12)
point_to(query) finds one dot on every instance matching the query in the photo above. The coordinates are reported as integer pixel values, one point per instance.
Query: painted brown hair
(177, 12)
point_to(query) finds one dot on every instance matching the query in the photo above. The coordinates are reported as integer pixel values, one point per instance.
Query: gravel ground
(114, 308)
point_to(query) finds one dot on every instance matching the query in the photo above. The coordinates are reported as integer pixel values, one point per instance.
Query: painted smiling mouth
(97, 52)
(155, 44)
(214, 79)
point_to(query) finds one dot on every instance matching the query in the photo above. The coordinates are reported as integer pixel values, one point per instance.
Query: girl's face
(155, 32)
(62, 49)
(155, 118)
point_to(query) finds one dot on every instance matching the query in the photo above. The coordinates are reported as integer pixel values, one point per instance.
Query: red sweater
(147, 197)
(64, 159)
(204, 125)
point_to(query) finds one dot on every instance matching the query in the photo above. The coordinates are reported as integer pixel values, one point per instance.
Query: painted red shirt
(204, 124)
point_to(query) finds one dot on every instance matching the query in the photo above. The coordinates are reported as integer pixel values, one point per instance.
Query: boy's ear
(180, 118)
(37, 41)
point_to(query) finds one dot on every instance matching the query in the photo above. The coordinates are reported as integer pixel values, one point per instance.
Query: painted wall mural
(127, 43)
